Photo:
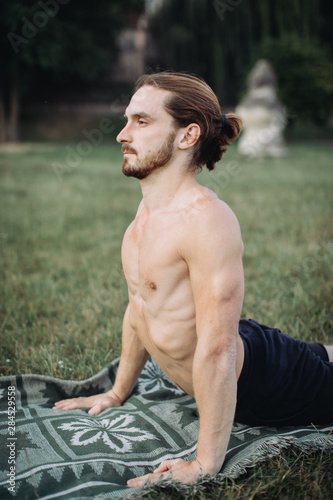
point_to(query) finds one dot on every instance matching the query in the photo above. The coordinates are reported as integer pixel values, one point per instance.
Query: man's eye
(142, 122)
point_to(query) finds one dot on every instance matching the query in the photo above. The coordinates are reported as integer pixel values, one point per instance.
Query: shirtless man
(182, 259)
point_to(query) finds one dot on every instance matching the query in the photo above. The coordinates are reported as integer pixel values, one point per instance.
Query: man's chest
(151, 258)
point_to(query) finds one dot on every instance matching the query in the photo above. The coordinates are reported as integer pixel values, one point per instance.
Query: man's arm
(214, 367)
(216, 273)
(213, 253)
(132, 360)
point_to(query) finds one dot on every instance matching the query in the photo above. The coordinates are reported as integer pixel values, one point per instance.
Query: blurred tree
(62, 38)
(305, 75)
(219, 39)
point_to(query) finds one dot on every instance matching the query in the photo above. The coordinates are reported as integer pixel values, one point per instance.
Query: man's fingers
(138, 481)
(63, 405)
(167, 465)
(157, 474)
(178, 469)
(161, 468)
(103, 405)
(96, 409)
(96, 403)
(69, 404)
(164, 466)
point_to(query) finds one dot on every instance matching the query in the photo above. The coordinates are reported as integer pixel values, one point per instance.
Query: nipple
(152, 285)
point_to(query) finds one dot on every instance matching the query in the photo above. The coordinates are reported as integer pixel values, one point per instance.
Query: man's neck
(167, 187)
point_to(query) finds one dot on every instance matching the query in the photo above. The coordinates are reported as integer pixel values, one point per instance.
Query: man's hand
(97, 403)
(178, 470)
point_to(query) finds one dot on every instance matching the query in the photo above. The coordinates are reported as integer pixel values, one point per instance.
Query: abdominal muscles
(169, 336)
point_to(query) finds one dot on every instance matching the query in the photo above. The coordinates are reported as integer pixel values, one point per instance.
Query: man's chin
(127, 169)
(131, 171)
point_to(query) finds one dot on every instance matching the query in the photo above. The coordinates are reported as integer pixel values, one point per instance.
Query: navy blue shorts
(283, 381)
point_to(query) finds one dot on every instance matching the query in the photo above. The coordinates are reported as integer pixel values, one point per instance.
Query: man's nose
(124, 135)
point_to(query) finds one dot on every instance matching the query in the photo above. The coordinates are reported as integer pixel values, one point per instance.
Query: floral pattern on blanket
(70, 454)
(116, 434)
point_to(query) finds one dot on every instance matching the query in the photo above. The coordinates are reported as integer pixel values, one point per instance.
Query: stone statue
(264, 116)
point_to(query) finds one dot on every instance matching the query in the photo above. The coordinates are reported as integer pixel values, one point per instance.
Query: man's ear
(189, 136)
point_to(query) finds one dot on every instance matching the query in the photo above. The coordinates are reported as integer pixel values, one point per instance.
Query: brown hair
(193, 101)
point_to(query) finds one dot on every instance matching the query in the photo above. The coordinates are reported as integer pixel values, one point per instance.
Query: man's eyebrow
(140, 114)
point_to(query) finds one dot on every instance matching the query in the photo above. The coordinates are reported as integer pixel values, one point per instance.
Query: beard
(151, 162)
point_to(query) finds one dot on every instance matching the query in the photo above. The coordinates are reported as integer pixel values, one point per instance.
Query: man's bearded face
(140, 168)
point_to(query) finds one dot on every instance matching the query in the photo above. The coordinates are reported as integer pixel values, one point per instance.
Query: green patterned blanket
(49, 454)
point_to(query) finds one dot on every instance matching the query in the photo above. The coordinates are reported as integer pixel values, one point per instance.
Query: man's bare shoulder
(208, 208)
(210, 222)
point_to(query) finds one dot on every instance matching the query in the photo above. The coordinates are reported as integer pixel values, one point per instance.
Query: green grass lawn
(63, 294)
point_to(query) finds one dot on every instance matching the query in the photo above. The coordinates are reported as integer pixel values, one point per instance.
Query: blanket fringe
(268, 448)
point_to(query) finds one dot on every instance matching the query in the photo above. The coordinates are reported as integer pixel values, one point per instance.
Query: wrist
(115, 396)
(208, 467)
